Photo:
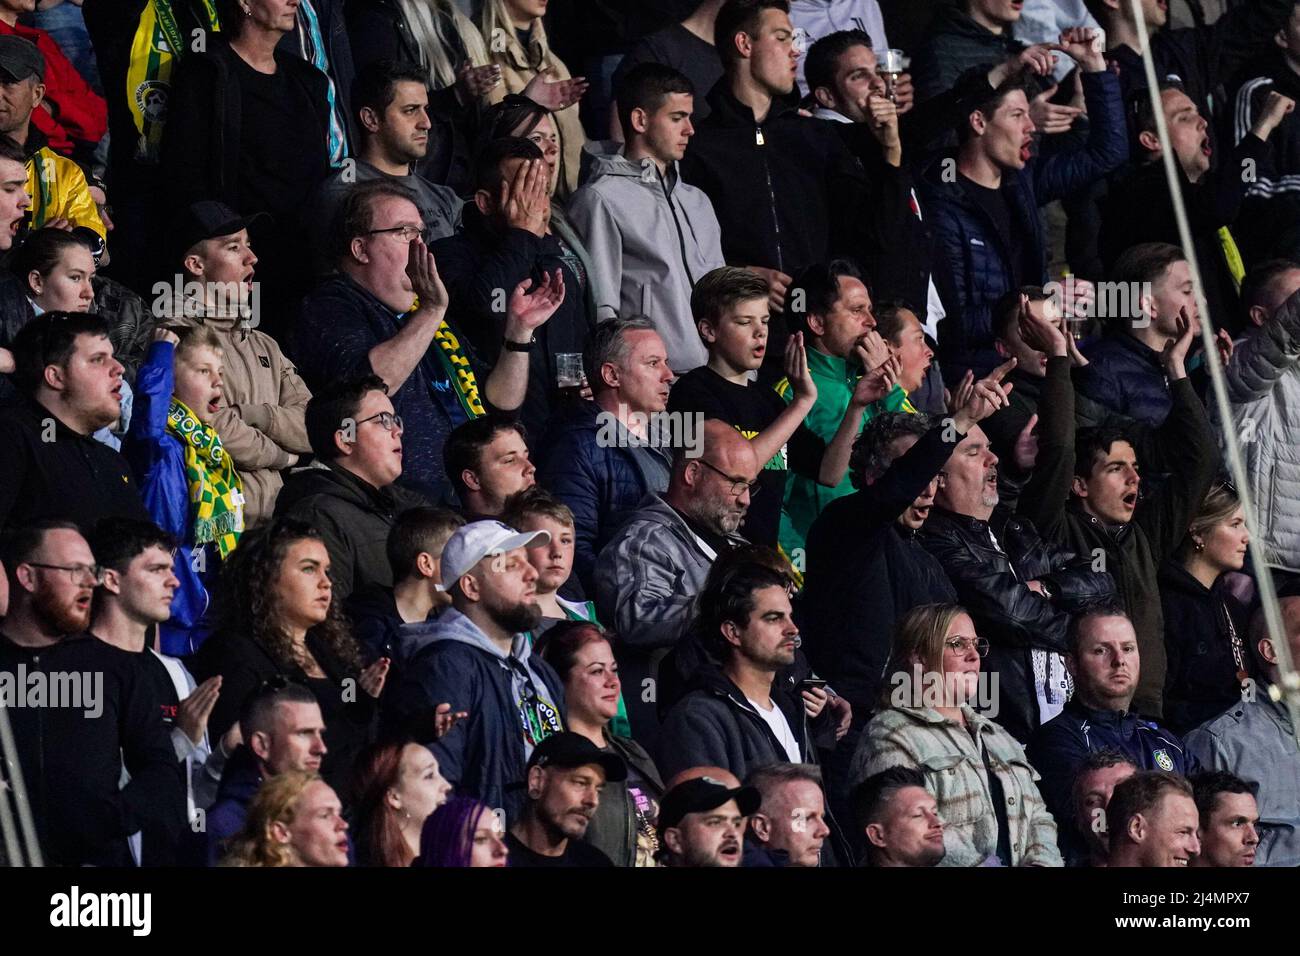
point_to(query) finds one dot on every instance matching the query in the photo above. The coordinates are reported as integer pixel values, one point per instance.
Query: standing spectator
(395, 135)
(854, 376)
(653, 569)
(1105, 663)
(986, 790)
(1205, 624)
(261, 417)
(1152, 821)
(478, 658)
(967, 34)
(1087, 843)
(686, 47)
(702, 820)
(731, 312)
(1212, 197)
(230, 113)
(351, 493)
(985, 217)
(567, 774)
(604, 477)
(1229, 820)
(1263, 378)
(653, 236)
(414, 553)
(818, 19)
(72, 757)
(463, 832)
(60, 194)
(623, 826)
(64, 23)
(187, 481)
(507, 243)
(789, 826)
(516, 39)
(364, 321)
(487, 462)
(282, 731)
(295, 819)
(737, 716)
(398, 785)
(280, 621)
(1084, 492)
(811, 196)
(900, 819)
(71, 387)
(1256, 741)
(320, 37)
(78, 118)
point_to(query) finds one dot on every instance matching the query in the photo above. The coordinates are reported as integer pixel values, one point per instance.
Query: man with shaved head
(649, 573)
(1255, 741)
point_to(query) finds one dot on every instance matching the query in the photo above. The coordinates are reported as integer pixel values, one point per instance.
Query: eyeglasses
(960, 645)
(387, 421)
(406, 233)
(738, 485)
(81, 574)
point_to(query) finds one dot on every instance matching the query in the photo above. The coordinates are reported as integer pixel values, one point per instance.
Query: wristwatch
(520, 346)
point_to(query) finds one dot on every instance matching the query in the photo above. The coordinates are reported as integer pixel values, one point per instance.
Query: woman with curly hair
(462, 832)
(398, 784)
(281, 623)
(295, 819)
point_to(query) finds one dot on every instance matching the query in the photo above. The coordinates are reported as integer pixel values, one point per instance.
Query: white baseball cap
(478, 539)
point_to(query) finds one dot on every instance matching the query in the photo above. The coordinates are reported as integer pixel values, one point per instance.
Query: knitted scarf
(215, 489)
(159, 40)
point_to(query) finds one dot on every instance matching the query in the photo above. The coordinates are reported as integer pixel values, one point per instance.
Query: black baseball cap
(210, 219)
(570, 750)
(701, 794)
(20, 59)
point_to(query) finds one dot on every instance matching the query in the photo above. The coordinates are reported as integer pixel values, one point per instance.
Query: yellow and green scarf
(215, 489)
(158, 42)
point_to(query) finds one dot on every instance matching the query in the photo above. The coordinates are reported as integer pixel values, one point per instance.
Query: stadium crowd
(648, 432)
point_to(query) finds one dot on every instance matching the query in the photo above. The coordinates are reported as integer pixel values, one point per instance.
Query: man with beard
(648, 576)
(702, 818)
(738, 716)
(566, 775)
(392, 104)
(1019, 587)
(80, 710)
(477, 657)
(72, 386)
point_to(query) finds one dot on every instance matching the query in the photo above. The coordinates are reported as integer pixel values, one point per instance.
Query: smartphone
(811, 683)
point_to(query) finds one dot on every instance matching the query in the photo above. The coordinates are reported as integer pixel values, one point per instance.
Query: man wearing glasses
(648, 576)
(96, 717)
(1104, 661)
(351, 493)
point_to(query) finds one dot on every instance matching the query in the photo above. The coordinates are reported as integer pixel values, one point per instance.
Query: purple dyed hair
(447, 838)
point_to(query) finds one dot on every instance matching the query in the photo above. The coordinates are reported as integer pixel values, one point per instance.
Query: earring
(1200, 546)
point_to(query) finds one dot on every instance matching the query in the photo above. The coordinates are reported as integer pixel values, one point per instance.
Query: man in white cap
(476, 656)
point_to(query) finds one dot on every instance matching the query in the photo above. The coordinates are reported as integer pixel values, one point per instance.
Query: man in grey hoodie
(476, 656)
(650, 235)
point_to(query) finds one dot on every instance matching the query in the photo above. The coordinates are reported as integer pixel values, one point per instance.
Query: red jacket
(79, 113)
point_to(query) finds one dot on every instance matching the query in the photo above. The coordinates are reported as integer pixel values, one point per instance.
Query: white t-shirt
(781, 727)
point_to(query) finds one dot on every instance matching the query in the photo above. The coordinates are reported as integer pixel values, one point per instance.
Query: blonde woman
(516, 41)
(434, 34)
(295, 819)
(986, 790)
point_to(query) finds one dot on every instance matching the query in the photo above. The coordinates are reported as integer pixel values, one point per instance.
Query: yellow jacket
(59, 191)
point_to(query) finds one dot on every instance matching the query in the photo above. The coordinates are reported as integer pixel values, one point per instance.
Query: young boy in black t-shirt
(730, 307)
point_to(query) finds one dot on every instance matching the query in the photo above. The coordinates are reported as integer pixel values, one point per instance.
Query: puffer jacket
(967, 239)
(955, 44)
(261, 421)
(955, 774)
(1264, 391)
(58, 187)
(518, 67)
(647, 579)
(991, 585)
(601, 482)
(651, 238)
(1125, 376)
